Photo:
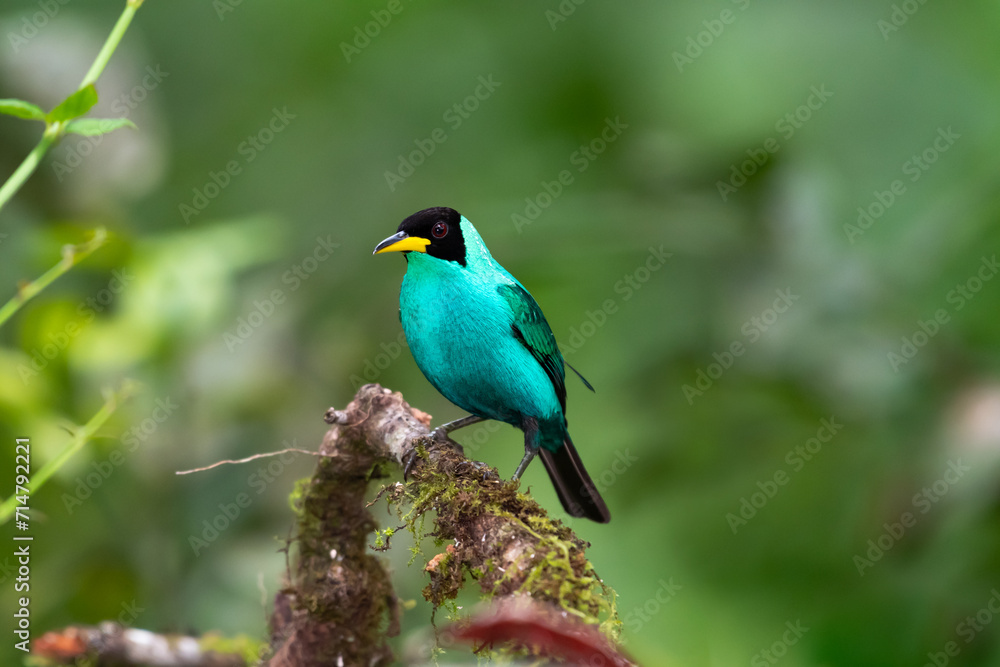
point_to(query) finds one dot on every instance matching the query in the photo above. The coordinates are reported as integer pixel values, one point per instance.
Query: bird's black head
(436, 231)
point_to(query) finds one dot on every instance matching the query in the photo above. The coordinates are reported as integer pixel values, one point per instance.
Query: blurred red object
(545, 630)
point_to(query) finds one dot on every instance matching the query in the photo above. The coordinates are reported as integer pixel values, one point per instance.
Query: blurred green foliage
(277, 124)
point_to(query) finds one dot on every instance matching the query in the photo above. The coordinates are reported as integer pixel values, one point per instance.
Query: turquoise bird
(483, 342)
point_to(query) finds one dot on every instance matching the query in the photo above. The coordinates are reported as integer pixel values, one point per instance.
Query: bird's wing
(531, 329)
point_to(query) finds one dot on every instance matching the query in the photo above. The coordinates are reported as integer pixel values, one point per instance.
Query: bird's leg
(441, 432)
(530, 428)
(529, 453)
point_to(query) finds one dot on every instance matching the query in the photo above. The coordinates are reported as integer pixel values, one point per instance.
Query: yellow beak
(401, 242)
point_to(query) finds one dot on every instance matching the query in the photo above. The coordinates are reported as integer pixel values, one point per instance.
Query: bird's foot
(440, 434)
(487, 472)
(409, 460)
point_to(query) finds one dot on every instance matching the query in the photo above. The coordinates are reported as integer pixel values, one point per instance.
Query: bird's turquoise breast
(458, 327)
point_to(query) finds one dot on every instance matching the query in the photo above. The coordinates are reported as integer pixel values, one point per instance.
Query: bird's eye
(439, 229)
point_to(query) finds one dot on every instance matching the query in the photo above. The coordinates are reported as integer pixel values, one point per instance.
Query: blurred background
(766, 232)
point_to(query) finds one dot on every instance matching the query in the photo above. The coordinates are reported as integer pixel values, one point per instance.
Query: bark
(112, 644)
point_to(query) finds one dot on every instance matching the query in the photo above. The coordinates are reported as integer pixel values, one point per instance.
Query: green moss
(382, 539)
(248, 648)
(557, 570)
(295, 497)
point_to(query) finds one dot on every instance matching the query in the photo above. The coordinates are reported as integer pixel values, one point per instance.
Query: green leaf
(75, 105)
(91, 127)
(21, 109)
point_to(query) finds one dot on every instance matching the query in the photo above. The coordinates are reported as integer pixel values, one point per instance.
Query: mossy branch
(338, 604)
(110, 643)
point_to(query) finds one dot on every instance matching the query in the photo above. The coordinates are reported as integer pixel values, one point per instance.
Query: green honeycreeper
(483, 342)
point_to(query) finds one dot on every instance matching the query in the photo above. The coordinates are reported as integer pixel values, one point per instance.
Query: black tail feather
(576, 491)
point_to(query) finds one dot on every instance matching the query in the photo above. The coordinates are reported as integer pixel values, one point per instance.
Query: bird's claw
(486, 470)
(409, 460)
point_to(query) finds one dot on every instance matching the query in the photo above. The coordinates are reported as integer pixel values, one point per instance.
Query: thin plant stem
(131, 7)
(72, 255)
(80, 438)
(54, 131)
(26, 169)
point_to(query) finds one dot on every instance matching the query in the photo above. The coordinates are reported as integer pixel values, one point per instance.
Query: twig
(248, 459)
